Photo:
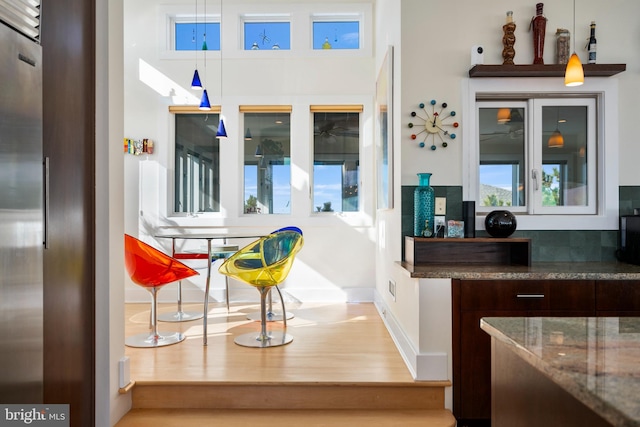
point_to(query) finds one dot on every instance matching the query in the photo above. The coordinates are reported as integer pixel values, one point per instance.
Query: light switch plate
(441, 205)
(124, 372)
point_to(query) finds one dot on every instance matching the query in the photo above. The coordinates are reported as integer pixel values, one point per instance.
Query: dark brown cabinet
(618, 298)
(475, 299)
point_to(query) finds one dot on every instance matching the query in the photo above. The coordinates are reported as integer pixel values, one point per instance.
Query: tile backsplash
(546, 245)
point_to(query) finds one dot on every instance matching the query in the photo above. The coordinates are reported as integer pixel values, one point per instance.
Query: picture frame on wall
(384, 140)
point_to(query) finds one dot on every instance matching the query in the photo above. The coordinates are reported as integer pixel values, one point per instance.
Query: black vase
(500, 223)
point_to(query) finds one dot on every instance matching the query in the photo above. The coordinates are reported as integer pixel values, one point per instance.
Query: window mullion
(534, 151)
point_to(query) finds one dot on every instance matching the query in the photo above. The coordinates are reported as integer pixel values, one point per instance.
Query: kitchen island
(569, 371)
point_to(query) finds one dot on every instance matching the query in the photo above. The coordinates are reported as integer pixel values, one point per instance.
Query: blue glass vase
(424, 207)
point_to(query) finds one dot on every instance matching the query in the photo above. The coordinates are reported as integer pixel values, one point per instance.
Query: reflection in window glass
(192, 35)
(197, 161)
(502, 157)
(564, 163)
(336, 35)
(336, 154)
(267, 35)
(267, 165)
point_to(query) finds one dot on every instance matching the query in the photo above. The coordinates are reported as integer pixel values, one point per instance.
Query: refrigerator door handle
(46, 203)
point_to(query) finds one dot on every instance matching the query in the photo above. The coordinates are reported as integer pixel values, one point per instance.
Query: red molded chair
(152, 269)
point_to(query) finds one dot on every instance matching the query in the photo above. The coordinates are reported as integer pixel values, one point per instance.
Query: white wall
(337, 261)
(109, 316)
(437, 38)
(432, 60)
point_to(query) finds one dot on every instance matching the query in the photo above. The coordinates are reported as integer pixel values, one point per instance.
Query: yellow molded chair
(152, 269)
(265, 263)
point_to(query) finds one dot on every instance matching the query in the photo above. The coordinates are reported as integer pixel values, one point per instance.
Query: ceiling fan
(511, 131)
(330, 130)
(513, 128)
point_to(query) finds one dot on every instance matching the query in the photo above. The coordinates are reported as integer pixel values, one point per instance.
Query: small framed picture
(455, 228)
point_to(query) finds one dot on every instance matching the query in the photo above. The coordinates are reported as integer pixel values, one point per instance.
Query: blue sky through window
(267, 35)
(338, 34)
(187, 31)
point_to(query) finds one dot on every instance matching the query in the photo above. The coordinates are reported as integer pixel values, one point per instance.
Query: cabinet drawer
(534, 295)
(618, 295)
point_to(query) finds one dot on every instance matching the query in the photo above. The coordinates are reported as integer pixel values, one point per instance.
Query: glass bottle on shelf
(592, 44)
(424, 202)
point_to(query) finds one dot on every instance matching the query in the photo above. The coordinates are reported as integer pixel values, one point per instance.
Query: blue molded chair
(264, 264)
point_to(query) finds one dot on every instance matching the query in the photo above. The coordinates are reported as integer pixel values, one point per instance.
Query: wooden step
(287, 417)
(426, 395)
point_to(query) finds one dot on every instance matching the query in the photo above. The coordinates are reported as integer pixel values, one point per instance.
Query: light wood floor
(332, 343)
(342, 369)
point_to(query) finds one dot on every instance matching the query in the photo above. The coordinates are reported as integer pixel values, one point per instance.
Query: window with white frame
(267, 160)
(272, 33)
(197, 163)
(537, 156)
(336, 158)
(193, 35)
(547, 155)
(343, 28)
(336, 32)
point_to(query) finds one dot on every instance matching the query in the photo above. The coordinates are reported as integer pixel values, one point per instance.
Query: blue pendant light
(204, 102)
(195, 82)
(222, 131)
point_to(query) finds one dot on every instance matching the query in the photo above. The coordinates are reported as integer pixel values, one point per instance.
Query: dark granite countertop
(595, 359)
(536, 271)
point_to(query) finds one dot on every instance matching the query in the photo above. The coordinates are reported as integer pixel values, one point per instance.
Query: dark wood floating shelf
(554, 70)
(479, 250)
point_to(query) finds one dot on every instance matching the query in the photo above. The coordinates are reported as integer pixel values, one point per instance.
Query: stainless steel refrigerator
(21, 212)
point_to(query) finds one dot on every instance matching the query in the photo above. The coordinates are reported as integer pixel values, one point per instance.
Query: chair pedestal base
(147, 340)
(180, 316)
(271, 316)
(264, 338)
(273, 339)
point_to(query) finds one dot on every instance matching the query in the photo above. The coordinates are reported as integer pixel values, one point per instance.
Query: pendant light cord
(574, 26)
(221, 54)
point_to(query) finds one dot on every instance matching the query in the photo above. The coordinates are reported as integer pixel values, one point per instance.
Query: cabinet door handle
(45, 191)
(530, 296)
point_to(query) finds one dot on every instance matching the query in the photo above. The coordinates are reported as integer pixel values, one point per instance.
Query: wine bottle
(592, 44)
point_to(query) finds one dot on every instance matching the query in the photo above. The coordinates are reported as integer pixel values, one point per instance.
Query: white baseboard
(423, 366)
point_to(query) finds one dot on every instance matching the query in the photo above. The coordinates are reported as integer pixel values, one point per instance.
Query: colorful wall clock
(437, 125)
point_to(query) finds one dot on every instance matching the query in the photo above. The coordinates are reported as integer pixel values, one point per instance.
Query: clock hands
(433, 125)
(446, 132)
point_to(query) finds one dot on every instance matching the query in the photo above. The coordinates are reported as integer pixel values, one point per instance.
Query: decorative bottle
(508, 40)
(592, 44)
(424, 205)
(539, 26)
